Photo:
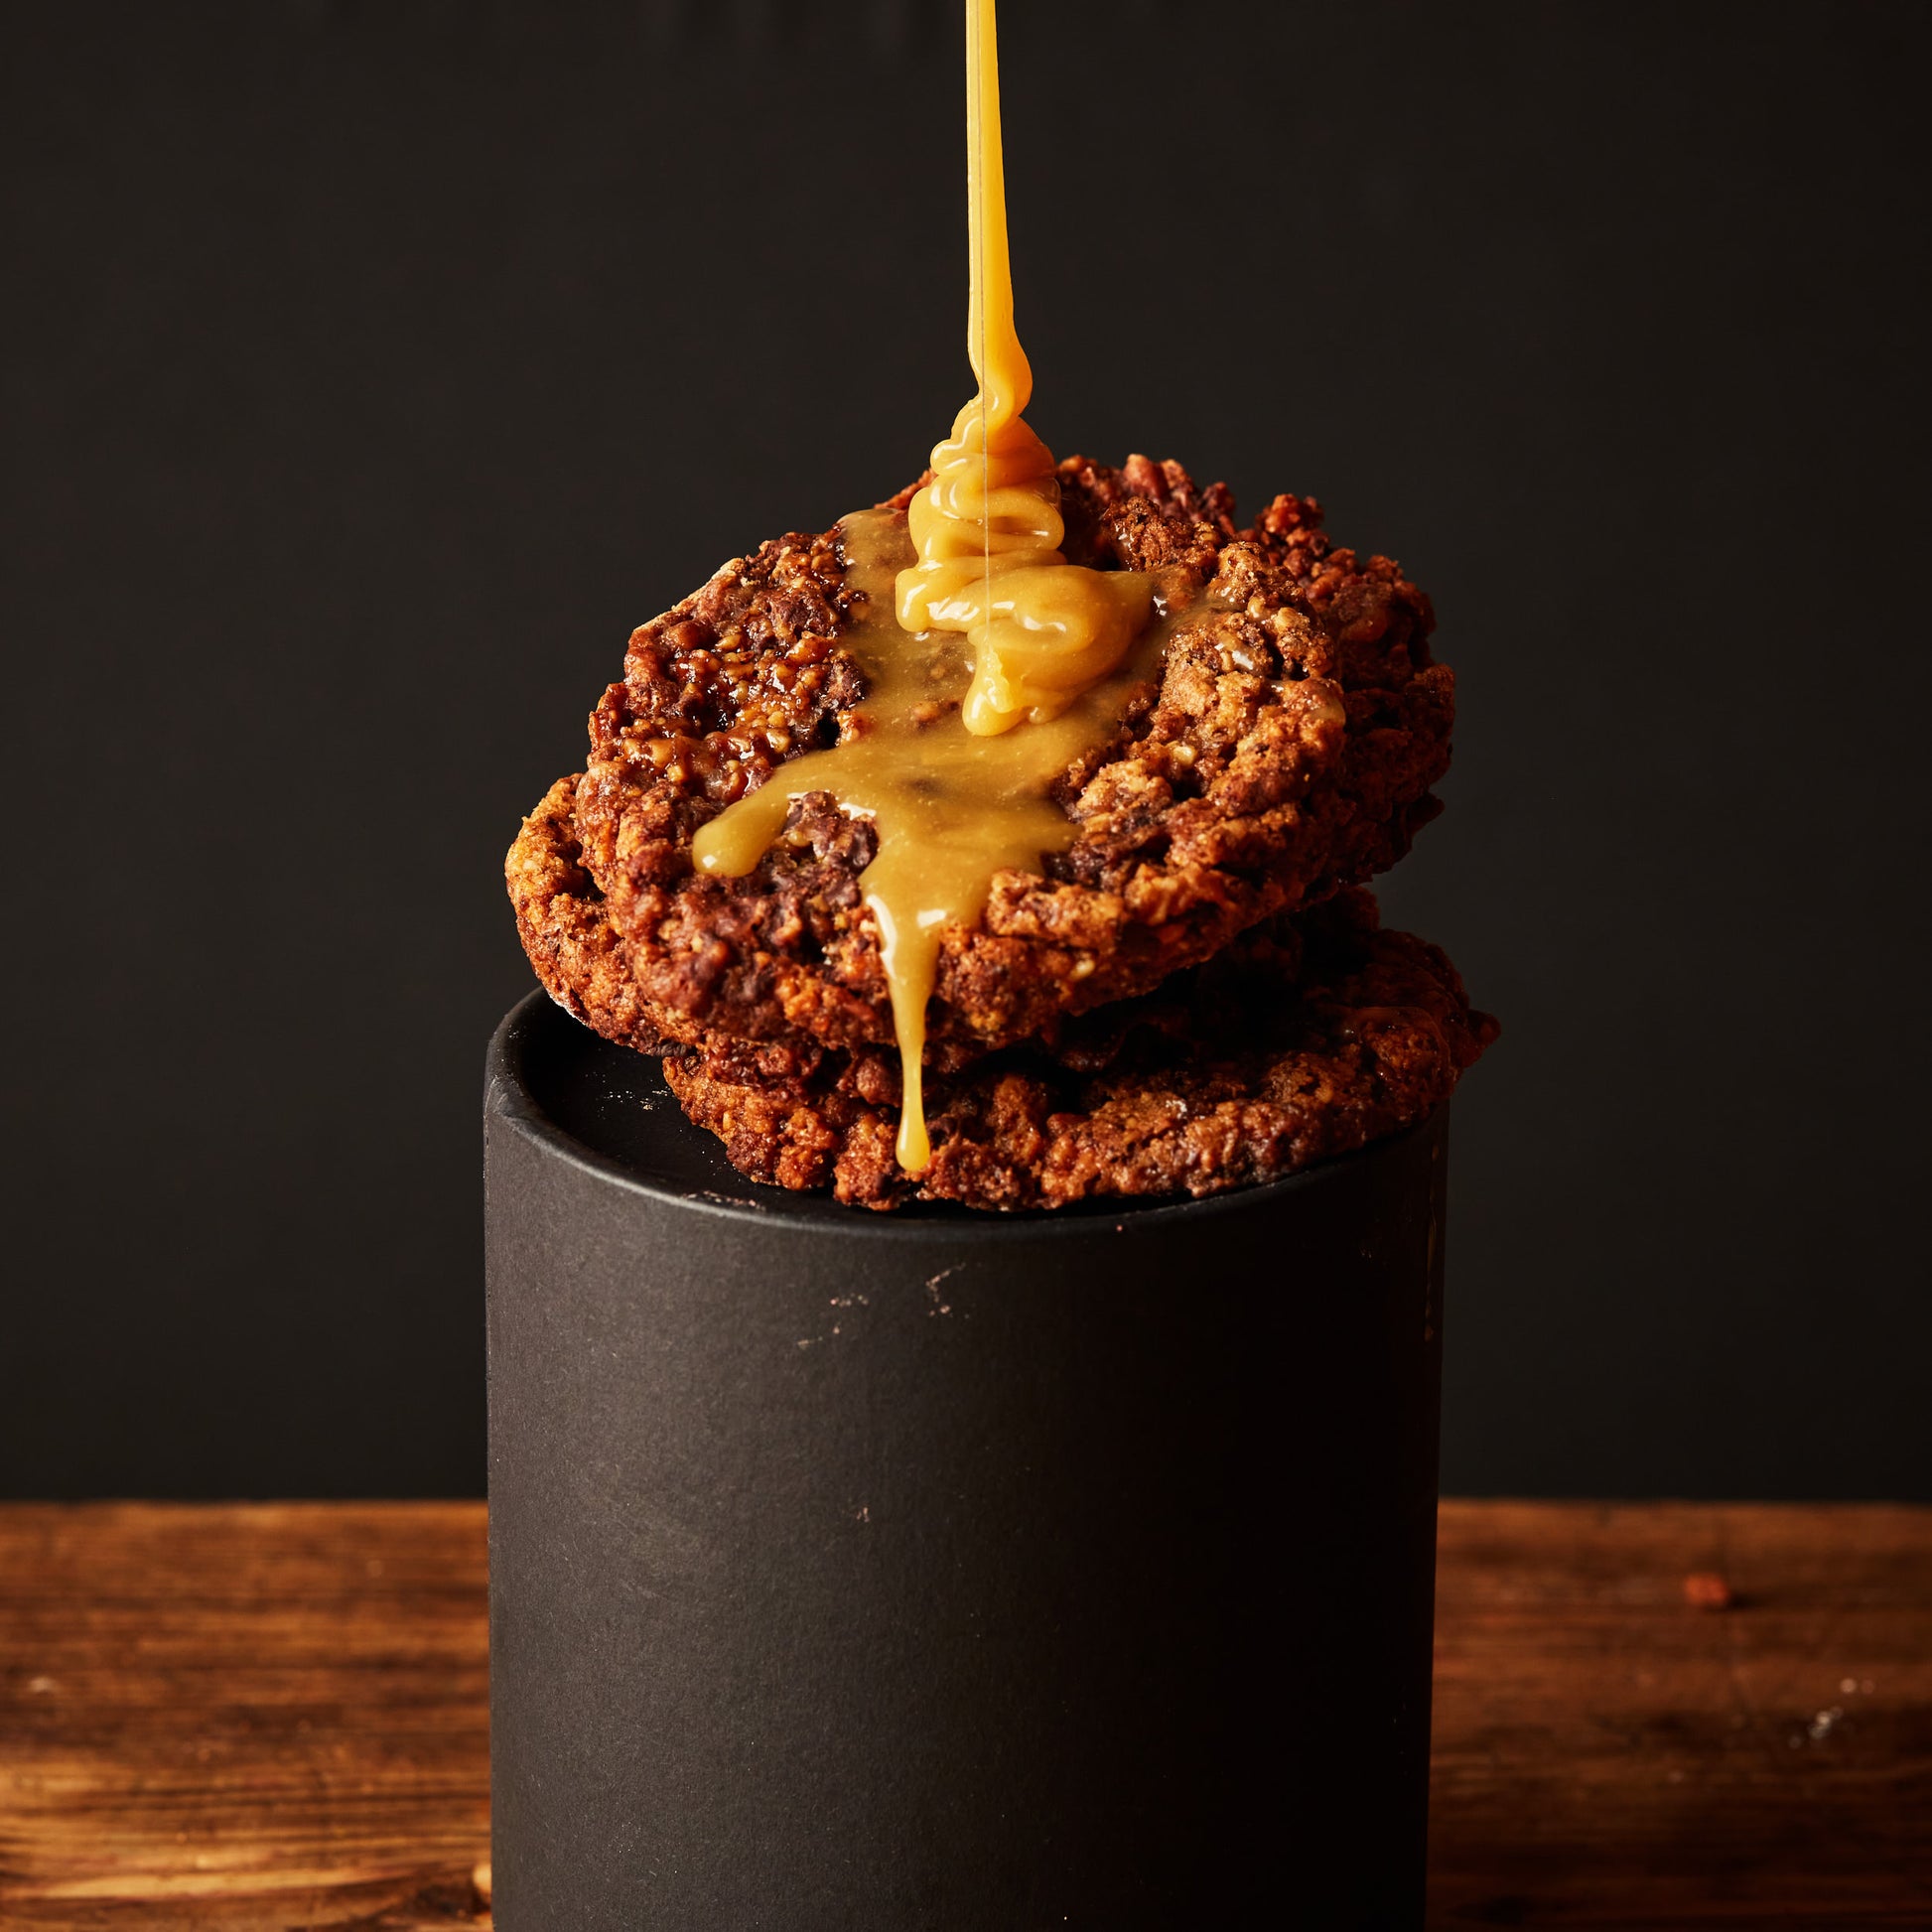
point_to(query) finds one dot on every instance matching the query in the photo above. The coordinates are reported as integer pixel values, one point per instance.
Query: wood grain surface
(275, 1716)
(1607, 1755)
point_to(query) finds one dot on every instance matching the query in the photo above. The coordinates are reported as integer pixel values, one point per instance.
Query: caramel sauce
(988, 526)
(991, 662)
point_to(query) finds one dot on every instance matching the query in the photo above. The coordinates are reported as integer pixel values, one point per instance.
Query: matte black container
(943, 1573)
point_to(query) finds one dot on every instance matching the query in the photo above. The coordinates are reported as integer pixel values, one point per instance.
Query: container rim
(507, 1092)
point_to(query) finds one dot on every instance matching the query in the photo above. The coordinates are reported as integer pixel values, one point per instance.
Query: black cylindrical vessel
(935, 1572)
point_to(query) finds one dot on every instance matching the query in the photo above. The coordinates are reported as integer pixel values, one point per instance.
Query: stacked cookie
(1191, 996)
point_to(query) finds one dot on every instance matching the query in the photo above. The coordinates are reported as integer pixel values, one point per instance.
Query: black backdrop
(373, 366)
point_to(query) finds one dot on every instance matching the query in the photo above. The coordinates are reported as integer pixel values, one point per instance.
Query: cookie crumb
(1707, 1589)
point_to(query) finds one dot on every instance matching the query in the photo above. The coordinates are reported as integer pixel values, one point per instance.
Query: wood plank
(255, 1718)
(242, 1717)
(1608, 1755)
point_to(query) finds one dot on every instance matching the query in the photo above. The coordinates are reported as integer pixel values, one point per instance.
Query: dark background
(374, 365)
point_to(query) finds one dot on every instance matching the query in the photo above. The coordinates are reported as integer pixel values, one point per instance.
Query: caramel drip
(954, 791)
(950, 807)
(988, 527)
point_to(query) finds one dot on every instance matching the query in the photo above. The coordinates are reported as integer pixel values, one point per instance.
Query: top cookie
(1287, 748)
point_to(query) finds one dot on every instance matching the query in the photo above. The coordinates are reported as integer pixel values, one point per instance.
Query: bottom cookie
(1313, 1037)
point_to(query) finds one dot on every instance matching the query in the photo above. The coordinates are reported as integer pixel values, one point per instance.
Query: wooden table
(274, 1717)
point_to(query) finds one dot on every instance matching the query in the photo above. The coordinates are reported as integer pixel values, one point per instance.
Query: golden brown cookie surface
(1309, 1038)
(1289, 748)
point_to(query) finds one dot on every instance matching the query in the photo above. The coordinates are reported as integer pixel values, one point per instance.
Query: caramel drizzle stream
(955, 758)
